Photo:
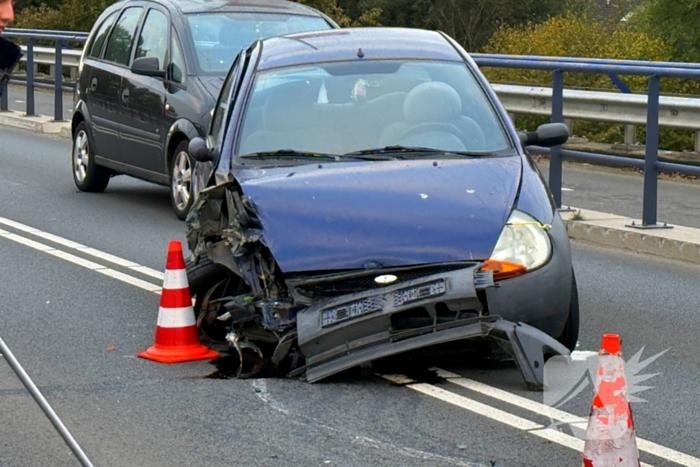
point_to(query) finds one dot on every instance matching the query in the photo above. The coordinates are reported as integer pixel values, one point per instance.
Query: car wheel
(210, 281)
(181, 169)
(87, 175)
(569, 337)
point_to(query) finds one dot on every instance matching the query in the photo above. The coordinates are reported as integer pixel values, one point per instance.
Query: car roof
(345, 44)
(257, 6)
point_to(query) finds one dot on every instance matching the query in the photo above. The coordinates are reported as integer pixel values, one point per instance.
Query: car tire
(569, 336)
(181, 168)
(87, 175)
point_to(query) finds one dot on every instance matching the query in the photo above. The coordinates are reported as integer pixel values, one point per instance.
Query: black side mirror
(147, 66)
(547, 135)
(199, 150)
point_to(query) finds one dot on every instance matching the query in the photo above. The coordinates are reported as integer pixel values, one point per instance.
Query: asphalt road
(61, 318)
(43, 101)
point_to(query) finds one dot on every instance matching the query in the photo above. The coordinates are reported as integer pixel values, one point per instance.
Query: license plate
(419, 292)
(351, 310)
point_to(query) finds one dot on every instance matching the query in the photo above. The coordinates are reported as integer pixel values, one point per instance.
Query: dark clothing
(10, 54)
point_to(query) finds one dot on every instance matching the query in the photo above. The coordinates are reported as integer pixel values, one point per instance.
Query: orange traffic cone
(176, 337)
(610, 436)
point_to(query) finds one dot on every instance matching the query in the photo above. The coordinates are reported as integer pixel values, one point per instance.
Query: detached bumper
(341, 333)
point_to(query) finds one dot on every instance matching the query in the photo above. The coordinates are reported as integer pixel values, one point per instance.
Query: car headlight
(523, 246)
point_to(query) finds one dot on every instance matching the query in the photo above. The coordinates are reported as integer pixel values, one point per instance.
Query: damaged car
(362, 194)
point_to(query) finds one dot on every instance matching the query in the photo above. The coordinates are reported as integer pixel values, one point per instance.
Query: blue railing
(60, 40)
(557, 65)
(651, 164)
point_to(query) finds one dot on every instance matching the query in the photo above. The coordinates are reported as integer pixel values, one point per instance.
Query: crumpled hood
(383, 214)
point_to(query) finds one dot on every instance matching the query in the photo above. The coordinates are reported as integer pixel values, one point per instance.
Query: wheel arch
(181, 130)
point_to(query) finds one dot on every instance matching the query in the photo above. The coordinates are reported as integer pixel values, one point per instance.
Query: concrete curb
(38, 124)
(677, 243)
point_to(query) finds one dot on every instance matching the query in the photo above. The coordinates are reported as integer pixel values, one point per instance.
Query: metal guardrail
(650, 110)
(651, 164)
(34, 55)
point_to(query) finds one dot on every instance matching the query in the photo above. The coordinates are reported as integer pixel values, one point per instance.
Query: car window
(119, 45)
(344, 107)
(101, 35)
(222, 106)
(218, 37)
(176, 71)
(153, 40)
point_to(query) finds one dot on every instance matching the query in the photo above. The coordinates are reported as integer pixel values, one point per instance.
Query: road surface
(62, 314)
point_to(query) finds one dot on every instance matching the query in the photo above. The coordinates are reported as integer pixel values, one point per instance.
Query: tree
(674, 21)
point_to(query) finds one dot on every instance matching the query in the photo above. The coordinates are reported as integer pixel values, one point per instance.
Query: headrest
(431, 102)
(291, 107)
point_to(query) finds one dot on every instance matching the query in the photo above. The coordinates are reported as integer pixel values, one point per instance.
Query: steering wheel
(432, 126)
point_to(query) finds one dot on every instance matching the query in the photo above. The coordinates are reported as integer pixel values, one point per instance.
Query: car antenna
(360, 53)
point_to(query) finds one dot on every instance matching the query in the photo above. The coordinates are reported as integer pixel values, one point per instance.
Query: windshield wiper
(291, 154)
(404, 152)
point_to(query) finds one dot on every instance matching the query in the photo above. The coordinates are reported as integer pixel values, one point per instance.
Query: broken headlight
(523, 245)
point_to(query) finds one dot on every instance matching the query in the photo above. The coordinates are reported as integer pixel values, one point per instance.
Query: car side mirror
(147, 66)
(547, 135)
(199, 151)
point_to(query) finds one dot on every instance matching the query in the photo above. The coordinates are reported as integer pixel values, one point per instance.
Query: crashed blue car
(362, 194)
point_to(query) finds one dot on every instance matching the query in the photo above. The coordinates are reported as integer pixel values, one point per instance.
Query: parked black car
(149, 78)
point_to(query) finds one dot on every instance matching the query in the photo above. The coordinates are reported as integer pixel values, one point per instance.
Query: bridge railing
(57, 57)
(650, 110)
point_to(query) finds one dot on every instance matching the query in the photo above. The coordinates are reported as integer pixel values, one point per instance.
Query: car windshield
(218, 37)
(373, 106)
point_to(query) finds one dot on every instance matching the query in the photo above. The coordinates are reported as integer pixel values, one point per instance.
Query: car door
(143, 98)
(105, 84)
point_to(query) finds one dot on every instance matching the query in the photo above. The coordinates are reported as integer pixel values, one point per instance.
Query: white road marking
(567, 189)
(82, 248)
(562, 416)
(81, 262)
(501, 416)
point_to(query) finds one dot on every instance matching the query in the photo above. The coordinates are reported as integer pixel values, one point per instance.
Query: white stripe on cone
(175, 317)
(175, 279)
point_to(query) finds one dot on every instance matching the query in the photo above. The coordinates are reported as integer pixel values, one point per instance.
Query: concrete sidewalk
(677, 243)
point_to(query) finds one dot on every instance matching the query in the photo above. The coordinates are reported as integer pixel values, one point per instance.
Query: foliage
(71, 15)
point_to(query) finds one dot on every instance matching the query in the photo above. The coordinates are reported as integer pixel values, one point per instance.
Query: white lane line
(556, 414)
(83, 248)
(81, 262)
(501, 416)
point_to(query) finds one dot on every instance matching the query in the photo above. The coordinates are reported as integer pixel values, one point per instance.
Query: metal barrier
(651, 164)
(60, 40)
(632, 109)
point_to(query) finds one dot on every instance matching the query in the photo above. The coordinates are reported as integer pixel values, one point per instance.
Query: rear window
(219, 37)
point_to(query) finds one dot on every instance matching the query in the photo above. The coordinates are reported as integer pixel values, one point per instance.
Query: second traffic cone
(176, 337)
(610, 436)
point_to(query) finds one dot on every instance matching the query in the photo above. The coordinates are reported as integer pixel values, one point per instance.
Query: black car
(149, 77)
(366, 196)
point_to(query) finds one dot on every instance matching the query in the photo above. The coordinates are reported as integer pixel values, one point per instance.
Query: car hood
(356, 215)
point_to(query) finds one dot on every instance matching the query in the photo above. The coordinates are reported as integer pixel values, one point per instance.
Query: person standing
(10, 53)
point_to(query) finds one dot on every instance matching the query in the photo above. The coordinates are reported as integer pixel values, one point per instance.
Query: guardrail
(46, 55)
(651, 110)
(651, 164)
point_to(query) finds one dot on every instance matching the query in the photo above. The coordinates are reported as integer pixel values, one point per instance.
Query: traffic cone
(176, 338)
(610, 435)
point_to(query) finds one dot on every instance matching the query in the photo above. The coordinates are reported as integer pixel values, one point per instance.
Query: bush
(578, 36)
(71, 15)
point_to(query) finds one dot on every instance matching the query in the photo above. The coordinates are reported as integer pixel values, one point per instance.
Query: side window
(153, 41)
(222, 105)
(119, 45)
(101, 36)
(176, 72)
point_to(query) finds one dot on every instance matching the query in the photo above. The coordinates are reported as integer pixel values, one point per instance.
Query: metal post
(630, 134)
(58, 83)
(652, 153)
(30, 77)
(555, 163)
(3, 98)
(36, 394)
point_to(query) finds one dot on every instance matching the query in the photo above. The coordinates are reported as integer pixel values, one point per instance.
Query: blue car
(362, 194)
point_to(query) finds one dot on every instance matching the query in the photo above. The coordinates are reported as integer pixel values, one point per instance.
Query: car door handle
(125, 96)
(93, 84)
